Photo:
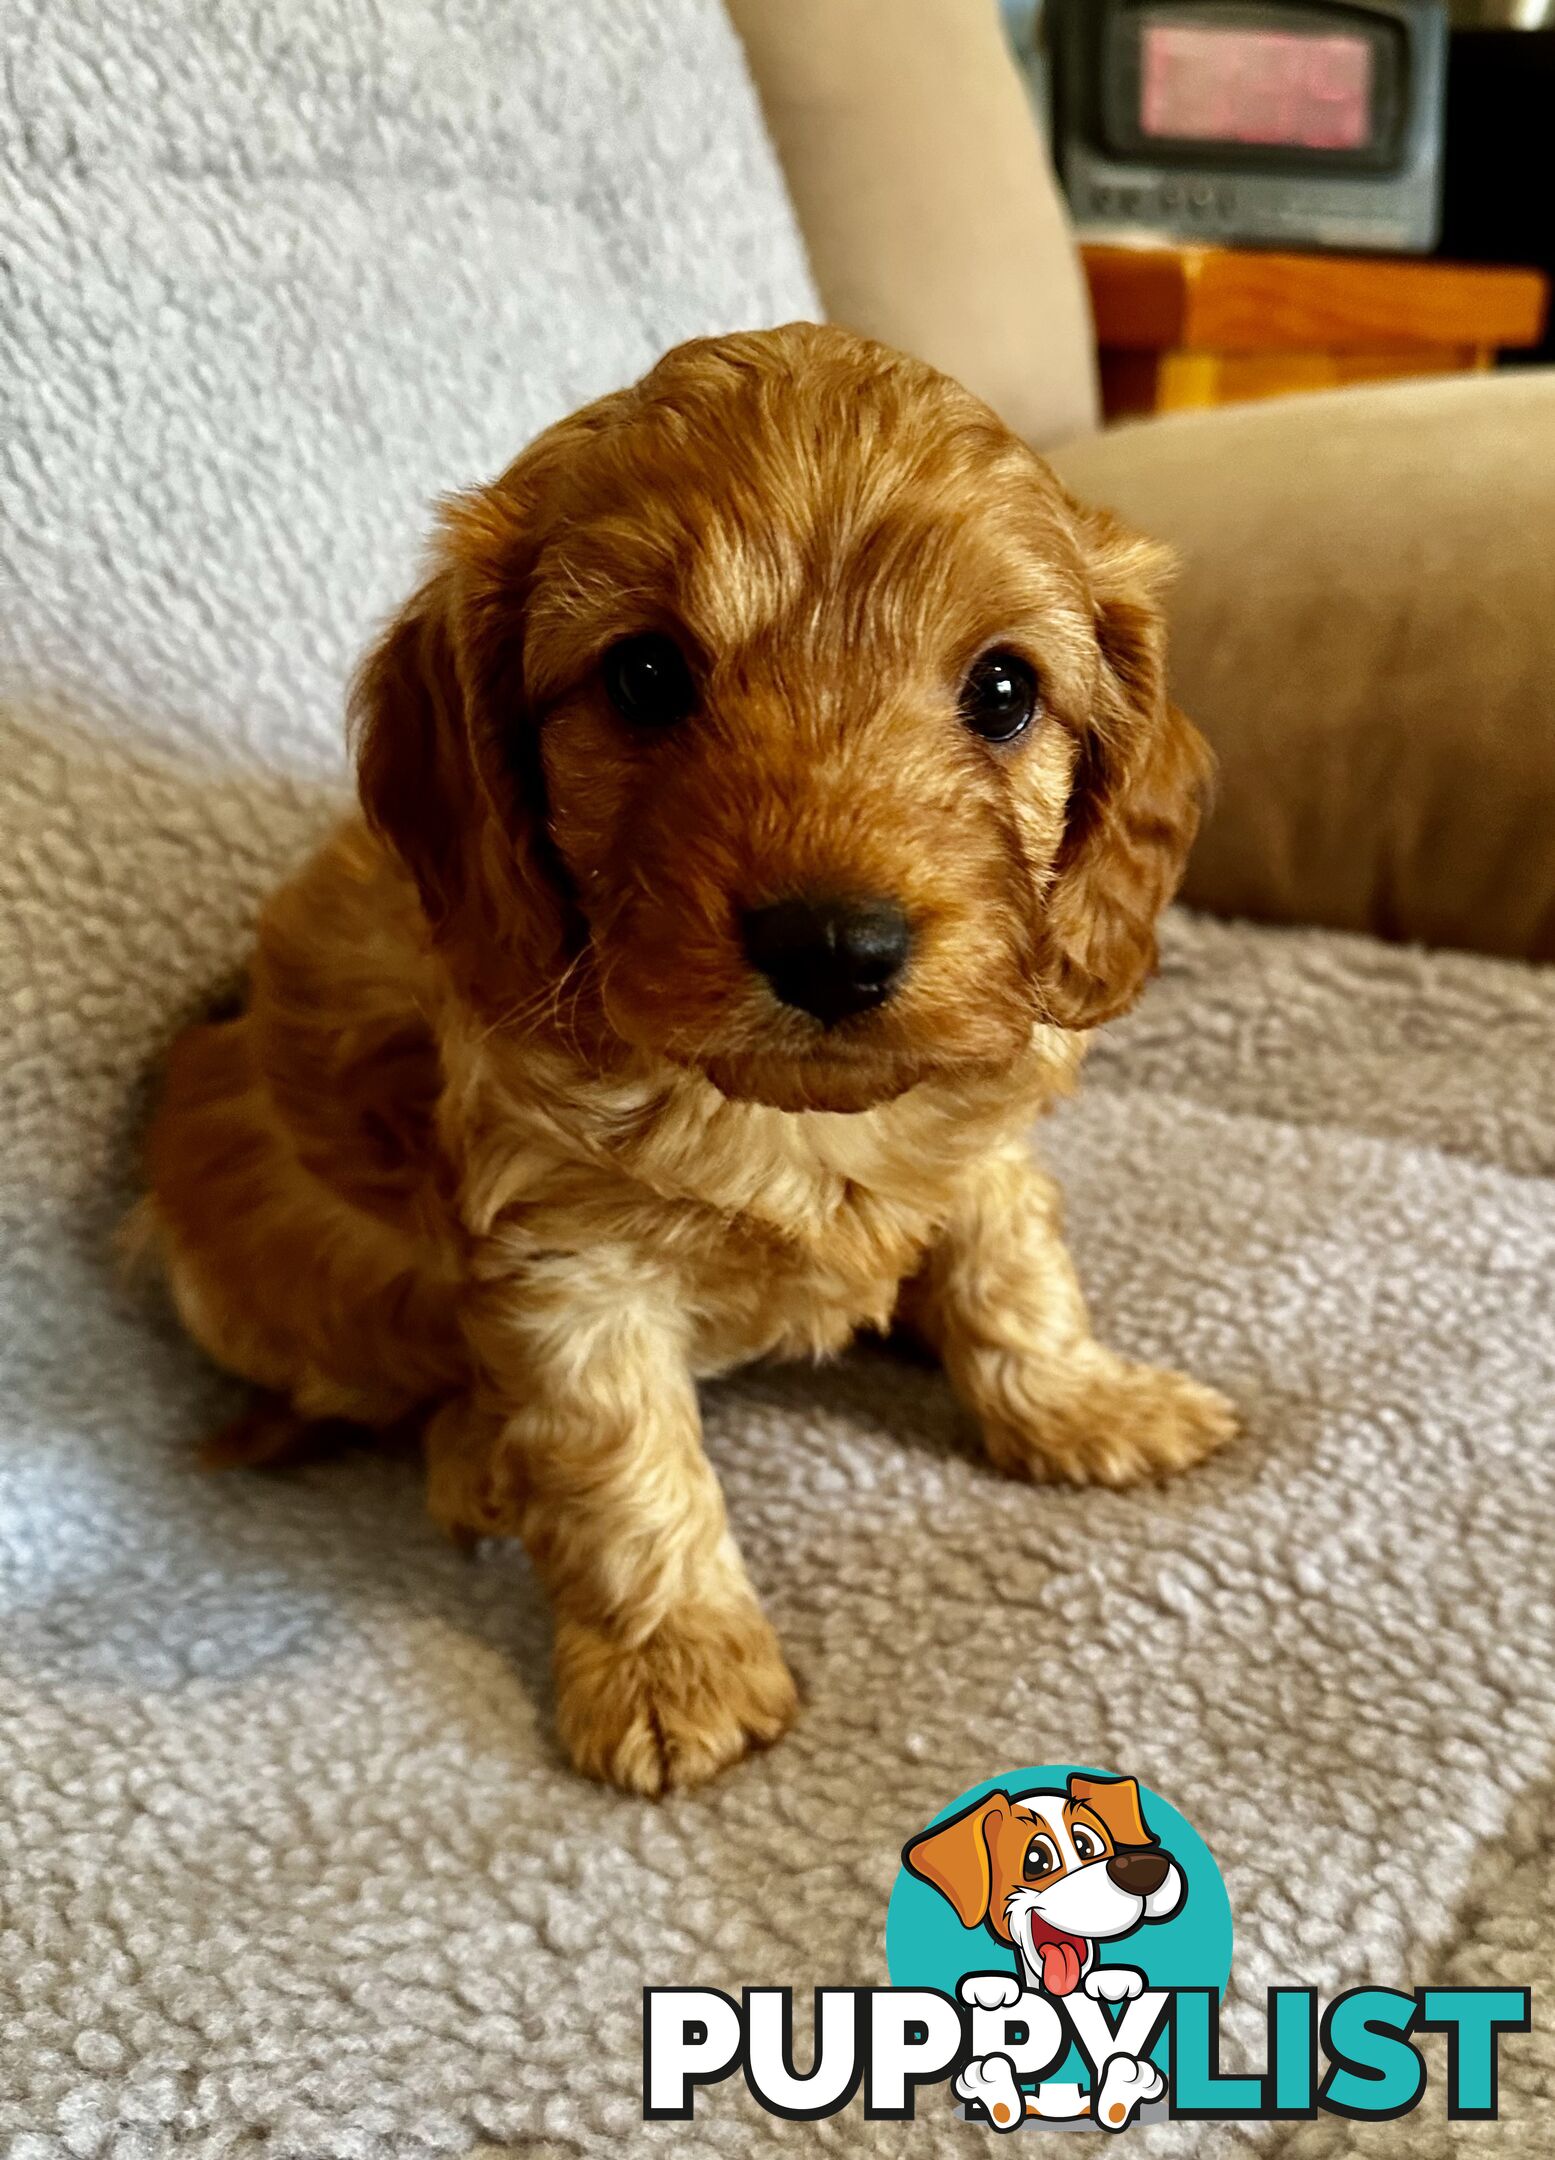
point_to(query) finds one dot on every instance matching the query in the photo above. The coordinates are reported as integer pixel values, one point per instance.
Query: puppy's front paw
(989, 2084)
(707, 1686)
(1109, 1423)
(1126, 2086)
(989, 1991)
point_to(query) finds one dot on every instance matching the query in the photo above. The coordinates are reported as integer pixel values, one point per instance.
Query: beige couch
(1365, 624)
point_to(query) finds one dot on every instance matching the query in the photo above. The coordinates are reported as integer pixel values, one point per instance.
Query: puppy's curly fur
(514, 1139)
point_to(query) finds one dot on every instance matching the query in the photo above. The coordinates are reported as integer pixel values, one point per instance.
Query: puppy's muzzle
(829, 957)
(1139, 1873)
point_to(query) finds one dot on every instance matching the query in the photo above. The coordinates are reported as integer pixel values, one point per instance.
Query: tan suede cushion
(928, 205)
(1365, 628)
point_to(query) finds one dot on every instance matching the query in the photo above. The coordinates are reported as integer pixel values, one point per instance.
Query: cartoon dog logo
(1052, 1874)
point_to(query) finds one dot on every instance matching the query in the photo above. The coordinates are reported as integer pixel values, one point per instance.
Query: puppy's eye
(999, 697)
(1086, 1843)
(648, 682)
(1041, 1857)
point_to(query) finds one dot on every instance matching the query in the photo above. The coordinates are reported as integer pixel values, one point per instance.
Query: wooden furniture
(1192, 326)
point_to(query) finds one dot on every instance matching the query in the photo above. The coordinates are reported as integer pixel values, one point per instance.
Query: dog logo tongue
(1060, 1957)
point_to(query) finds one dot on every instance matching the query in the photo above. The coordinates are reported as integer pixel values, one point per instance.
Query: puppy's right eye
(1000, 696)
(1041, 1858)
(648, 682)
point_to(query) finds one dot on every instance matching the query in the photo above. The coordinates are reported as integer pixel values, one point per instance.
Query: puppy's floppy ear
(447, 752)
(1116, 1801)
(412, 752)
(1139, 787)
(957, 1860)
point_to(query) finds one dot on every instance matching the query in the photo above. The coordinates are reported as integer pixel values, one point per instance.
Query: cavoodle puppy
(768, 791)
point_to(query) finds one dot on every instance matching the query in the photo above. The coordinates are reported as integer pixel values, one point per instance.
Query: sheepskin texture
(289, 1859)
(289, 1849)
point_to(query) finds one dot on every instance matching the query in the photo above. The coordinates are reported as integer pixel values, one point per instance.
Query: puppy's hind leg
(998, 1299)
(273, 1434)
(268, 1435)
(344, 1318)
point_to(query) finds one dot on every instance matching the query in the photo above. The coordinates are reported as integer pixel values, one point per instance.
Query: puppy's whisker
(578, 976)
(541, 1005)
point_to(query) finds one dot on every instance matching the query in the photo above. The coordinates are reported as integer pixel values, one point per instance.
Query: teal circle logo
(1058, 1887)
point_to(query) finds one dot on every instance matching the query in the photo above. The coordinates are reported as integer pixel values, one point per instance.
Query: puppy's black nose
(829, 957)
(1138, 1872)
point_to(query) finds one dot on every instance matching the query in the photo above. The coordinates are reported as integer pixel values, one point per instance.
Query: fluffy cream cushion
(1365, 628)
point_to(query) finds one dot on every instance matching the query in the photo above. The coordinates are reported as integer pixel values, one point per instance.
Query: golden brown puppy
(770, 786)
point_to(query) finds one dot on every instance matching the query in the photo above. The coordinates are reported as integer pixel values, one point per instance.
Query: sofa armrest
(1365, 629)
(924, 191)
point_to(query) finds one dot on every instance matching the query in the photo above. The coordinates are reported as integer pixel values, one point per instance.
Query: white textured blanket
(290, 1854)
(288, 1860)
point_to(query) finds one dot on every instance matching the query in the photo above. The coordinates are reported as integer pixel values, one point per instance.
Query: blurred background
(1420, 128)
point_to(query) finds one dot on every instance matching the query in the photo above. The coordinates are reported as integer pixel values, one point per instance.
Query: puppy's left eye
(648, 682)
(999, 697)
(1085, 1844)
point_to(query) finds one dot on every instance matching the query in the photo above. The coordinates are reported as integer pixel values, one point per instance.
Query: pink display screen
(1205, 84)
